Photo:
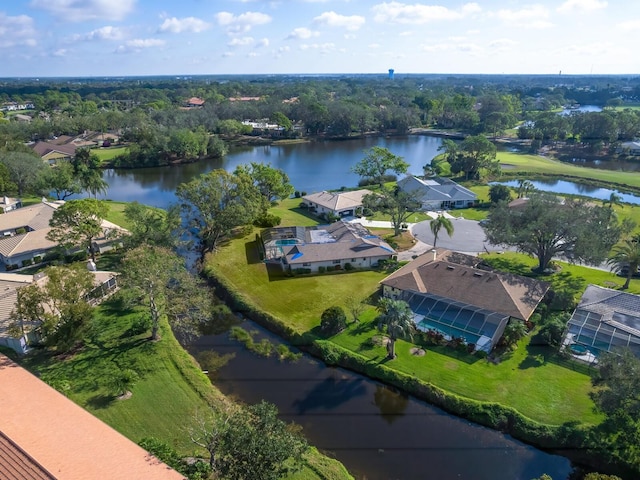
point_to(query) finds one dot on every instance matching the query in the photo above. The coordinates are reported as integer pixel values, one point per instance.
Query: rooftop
(46, 434)
(456, 276)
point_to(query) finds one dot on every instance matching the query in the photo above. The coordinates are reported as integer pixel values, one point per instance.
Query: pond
(377, 432)
(573, 188)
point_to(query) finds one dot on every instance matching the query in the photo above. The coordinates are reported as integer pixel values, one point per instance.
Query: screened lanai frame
(472, 322)
(603, 335)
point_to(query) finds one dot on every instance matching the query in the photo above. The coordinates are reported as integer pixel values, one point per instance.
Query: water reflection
(391, 402)
(573, 188)
(376, 432)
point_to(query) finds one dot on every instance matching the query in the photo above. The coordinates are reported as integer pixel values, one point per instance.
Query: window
(306, 264)
(337, 262)
(354, 259)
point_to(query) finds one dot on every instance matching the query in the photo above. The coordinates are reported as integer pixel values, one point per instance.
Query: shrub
(267, 220)
(330, 268)
(37, 259)
(301, 271)
(21, 230)
(322, 269)
(333, 320)
(297, 194)
(27, 262)
(348, 267)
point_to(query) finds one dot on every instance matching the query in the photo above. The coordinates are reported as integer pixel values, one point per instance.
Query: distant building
(195, 102)
(391, 73)
(629, 148)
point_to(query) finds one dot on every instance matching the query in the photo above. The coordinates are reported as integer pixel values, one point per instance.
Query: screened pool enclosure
(477, 326)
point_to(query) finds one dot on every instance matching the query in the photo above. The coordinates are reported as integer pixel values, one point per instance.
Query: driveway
(468, 237)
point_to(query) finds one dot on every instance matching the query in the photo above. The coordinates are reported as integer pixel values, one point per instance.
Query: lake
(377, 432)
(312, 166)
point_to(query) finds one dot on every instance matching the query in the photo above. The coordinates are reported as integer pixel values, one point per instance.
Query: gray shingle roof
(436, 189)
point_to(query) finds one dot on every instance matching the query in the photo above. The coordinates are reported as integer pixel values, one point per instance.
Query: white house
(438, 193)
(7, 204)
(329, 246)
(341, 204)
(629, 148)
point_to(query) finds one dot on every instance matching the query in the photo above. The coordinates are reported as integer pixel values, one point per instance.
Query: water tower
(391, 74)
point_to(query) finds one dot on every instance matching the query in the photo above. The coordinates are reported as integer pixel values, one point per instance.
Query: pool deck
(586, 357)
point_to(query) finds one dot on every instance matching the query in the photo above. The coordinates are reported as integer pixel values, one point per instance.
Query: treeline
(594, 130)
(152, 114)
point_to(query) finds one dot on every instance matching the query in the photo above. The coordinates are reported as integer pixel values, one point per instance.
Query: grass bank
(170, 389)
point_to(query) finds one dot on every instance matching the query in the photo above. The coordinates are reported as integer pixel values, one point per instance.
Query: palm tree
(626, 257)
(437, 224)
(397, 317)
(524, 187)
(614, 199)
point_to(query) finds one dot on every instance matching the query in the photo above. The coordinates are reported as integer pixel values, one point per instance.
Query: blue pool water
(426, 324)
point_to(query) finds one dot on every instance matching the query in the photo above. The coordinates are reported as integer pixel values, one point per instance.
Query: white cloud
(629, 25)
(502, 44)
(80, 11)
(263, 42)
(103, 33)
(533, 16)
(373, 45)
(60, 52)
(333, 19)
(581, 6)
(240, 42)
(241, 23)
(302, 33)
(139, 44)
(15, 31)
(402, 13)
(179, 25)
(321, 47)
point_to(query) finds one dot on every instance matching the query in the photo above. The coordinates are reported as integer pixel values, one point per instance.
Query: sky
(54, 38)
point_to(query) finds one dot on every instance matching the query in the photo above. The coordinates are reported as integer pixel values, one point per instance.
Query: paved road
(468, 236)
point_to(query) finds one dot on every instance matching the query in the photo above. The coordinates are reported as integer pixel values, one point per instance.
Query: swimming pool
(287, 241)
(448, 332)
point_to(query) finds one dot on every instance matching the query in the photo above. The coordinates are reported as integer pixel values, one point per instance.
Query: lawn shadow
(305, 213)
(506, 264)
(275, 272)
(252, 252)
(451, 352)
(100, 401)
(330, 393)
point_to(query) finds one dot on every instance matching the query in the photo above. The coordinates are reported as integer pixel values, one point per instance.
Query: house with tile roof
(329, 246)
(195, 102)
(604, 320)
(23, 235)
(340, 204)
(438, 193)
(104, 284)
(45, 436)
(452, 293)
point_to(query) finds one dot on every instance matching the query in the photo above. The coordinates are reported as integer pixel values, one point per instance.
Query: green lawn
(298, 301)
(580, 275)
(163, 398)
(521, 164)
(116, 213)
(109, 153)
(531, 379)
